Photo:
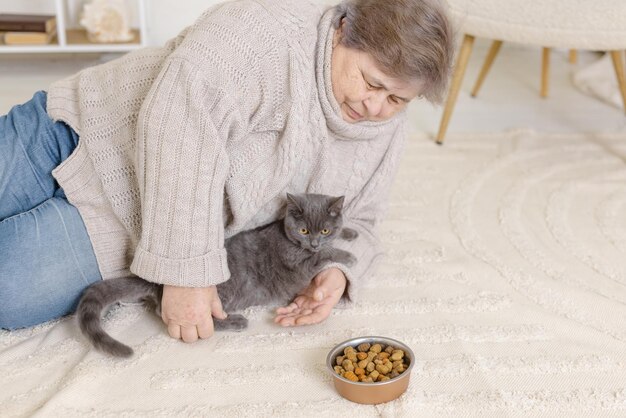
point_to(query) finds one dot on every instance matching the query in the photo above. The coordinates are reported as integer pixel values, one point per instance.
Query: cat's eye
(325, 231)
(304, 231)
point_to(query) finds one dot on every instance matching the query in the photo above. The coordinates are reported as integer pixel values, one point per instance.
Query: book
(27, 23)
(28, 38)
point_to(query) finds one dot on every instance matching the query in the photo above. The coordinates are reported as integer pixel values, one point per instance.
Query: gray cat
(268, 264)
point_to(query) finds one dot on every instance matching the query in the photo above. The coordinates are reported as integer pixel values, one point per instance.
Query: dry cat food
(369, 363)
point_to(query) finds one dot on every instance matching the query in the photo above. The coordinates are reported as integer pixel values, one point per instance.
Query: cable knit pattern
(186, 145)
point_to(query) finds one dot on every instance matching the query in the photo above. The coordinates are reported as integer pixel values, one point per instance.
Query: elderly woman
(147, 163)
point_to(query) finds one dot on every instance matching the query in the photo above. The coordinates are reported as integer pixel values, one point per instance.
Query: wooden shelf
(75, 40)
(79, 37)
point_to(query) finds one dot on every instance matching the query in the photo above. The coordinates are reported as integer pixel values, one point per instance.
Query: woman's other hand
(316, 302)
(188, 312)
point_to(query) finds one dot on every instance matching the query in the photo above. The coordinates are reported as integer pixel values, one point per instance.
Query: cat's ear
(293, 201)
(336, 206)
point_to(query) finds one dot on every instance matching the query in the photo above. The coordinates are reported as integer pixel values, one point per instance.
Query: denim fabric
(46, 257)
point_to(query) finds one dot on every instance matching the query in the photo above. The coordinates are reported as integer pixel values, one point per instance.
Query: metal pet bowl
(370, 393)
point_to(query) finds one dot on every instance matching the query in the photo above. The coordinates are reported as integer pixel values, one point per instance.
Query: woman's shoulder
(290, 9)
(267, 29)
(301, 13)
(293, 17)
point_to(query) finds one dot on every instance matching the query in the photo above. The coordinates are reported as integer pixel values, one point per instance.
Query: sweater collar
(336, 124)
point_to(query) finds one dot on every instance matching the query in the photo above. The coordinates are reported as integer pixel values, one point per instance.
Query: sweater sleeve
(182, 166)
(362, 214)
(225, 80)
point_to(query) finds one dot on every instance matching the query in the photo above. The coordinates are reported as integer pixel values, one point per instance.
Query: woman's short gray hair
(409, 39)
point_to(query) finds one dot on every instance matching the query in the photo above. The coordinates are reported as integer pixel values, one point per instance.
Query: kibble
(363, 348)
(351, 376)
(376, 348)
(382, 369)
(370, 363)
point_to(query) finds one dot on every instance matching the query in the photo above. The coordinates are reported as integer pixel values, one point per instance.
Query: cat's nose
(315, 244)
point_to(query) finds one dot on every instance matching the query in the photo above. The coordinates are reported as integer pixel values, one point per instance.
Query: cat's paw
(349, 234)
(233, 322)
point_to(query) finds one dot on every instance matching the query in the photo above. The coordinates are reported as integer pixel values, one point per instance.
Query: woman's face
(364, 92)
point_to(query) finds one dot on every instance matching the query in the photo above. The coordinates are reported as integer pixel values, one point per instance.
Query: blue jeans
(46, 257)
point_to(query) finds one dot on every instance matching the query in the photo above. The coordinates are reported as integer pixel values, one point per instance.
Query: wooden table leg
(618, 64)
(545, 72)
(457, 79)
(491, 56)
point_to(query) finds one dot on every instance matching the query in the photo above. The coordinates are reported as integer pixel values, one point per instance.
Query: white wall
(165, 18)
(27, 6)
(168, 17)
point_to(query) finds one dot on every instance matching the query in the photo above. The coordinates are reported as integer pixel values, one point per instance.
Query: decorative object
(107, 21)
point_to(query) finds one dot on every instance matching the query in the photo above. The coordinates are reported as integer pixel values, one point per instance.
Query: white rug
(506, 274)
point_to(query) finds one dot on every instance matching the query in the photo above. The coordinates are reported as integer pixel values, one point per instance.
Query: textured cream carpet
(506, 274)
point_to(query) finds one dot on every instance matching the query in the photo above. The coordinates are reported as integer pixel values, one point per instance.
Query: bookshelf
(74, 40)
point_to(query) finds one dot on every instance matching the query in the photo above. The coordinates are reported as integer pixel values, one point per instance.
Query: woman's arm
(182, 166)
(220, 79)
(362, 214)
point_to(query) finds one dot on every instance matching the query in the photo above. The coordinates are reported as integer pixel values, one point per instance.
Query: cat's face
(313, 221)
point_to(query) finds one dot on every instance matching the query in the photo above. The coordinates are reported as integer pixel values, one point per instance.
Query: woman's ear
(339, 32)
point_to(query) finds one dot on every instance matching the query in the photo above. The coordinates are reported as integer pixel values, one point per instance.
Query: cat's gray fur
(269, 264)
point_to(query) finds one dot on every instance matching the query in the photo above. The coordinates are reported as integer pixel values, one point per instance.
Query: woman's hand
(316, 302)
(188, 312)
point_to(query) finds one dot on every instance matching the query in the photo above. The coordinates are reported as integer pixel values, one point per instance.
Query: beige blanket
(506, 274)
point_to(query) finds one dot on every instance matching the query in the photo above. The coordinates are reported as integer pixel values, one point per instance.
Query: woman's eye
(304, 231)
(394, 100)
(369, 86)
(325, 231)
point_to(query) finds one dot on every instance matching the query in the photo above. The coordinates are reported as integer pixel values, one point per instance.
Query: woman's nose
(374, 104)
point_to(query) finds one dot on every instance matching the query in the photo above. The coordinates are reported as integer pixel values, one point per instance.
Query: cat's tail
(99, 296)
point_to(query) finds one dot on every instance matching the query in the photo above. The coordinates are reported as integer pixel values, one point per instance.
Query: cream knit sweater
(183, 146)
